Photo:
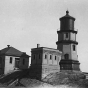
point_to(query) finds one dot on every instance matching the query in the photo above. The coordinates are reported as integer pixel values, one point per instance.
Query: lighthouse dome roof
(67, 16)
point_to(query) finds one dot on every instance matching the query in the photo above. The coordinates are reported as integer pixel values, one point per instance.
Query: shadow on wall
(35, 72)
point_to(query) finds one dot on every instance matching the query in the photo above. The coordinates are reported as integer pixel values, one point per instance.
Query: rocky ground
(67, 79)
(63, 79)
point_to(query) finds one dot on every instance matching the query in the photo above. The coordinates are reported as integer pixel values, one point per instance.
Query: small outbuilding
(12, 59)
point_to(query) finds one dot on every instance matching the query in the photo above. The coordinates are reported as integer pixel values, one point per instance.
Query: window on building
(45, 56)
(66, 56)
(23, 61)
(66, 35)
(50, 57)
(73, 47)
(10, 59)
(17, 61)
(55, 57)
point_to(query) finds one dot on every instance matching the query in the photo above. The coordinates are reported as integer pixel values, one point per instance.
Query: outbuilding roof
(12, 51)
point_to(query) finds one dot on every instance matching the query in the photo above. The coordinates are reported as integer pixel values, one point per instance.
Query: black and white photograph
(43, 44)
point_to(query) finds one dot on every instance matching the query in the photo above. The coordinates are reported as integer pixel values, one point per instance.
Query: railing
(74, 29)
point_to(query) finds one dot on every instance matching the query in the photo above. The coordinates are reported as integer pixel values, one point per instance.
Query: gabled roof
(12, 51)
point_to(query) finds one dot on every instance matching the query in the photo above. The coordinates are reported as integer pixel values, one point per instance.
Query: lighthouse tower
(67, 43)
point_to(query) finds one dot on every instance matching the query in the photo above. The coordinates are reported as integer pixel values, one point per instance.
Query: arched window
(55, 57)
(11, 60)
(73, 47)
(45, 56)
(66, 35)
(66, 56)
(50, 57)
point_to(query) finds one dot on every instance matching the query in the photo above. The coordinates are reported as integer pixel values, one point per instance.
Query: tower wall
(67, 24)
(67, 43)
(73, 36)
(66, 50)
(74, 53)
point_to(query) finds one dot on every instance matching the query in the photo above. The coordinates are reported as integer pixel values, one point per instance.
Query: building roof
(46, 48)
(67, 16)
(12, 51)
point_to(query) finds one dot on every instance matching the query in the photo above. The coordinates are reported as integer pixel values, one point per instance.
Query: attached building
(11, 59)
(44, 61)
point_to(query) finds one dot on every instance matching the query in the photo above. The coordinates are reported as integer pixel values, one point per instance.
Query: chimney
(38, 45)
(8, 46)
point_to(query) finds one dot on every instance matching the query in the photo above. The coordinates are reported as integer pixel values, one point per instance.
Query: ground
(63, 79)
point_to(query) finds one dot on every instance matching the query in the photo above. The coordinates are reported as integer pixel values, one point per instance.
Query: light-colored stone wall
(66, 50)
(72, 36)
(74, 53)
(50, 65)
(55, 61)
(49, 69)
(9, 66)
(51, 61)
(46, 65)
(45, 60)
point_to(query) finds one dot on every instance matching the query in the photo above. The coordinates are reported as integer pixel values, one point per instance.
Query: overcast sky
(24, 23)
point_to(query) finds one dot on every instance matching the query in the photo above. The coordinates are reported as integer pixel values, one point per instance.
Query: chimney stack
(38, 45)
(8, 46)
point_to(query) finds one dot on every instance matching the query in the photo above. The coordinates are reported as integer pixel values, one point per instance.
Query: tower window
(50, 57)
(66, 56)
(45, 56)
(73, 47)
(55, 57)
(66, 35)
(10, 60)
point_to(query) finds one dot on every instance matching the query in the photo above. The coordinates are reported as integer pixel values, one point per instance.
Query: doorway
(17, 60)
(66, 56)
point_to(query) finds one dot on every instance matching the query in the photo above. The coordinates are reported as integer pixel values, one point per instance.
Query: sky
(26, 23)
